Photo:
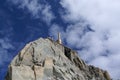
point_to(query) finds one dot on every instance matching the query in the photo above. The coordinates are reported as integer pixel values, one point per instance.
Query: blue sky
(90, 27)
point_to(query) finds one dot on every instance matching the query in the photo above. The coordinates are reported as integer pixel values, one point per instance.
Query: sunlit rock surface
(45, 59)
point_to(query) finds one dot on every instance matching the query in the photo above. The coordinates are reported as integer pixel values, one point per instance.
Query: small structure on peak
(59, 39)
(46, 59)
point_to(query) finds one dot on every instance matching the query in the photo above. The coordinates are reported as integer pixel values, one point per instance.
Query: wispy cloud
(98, 43)
(36, 9)
(54, 29)
(6, 35)
(5, 45)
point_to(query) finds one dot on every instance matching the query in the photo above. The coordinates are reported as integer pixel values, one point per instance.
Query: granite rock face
(45, 59)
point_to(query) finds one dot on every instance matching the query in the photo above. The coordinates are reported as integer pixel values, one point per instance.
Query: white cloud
(35, 8)
(55, 29)
(101, 46)
(48, 14)
(5, 43)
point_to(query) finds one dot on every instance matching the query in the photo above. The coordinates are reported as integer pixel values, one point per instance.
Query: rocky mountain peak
(46, 59)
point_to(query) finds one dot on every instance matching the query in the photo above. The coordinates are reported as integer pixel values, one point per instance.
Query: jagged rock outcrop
(45, 59)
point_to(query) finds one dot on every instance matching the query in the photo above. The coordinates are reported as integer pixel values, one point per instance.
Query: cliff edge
(45, 59)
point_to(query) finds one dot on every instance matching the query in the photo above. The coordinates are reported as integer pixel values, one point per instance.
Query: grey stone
(45, 59)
